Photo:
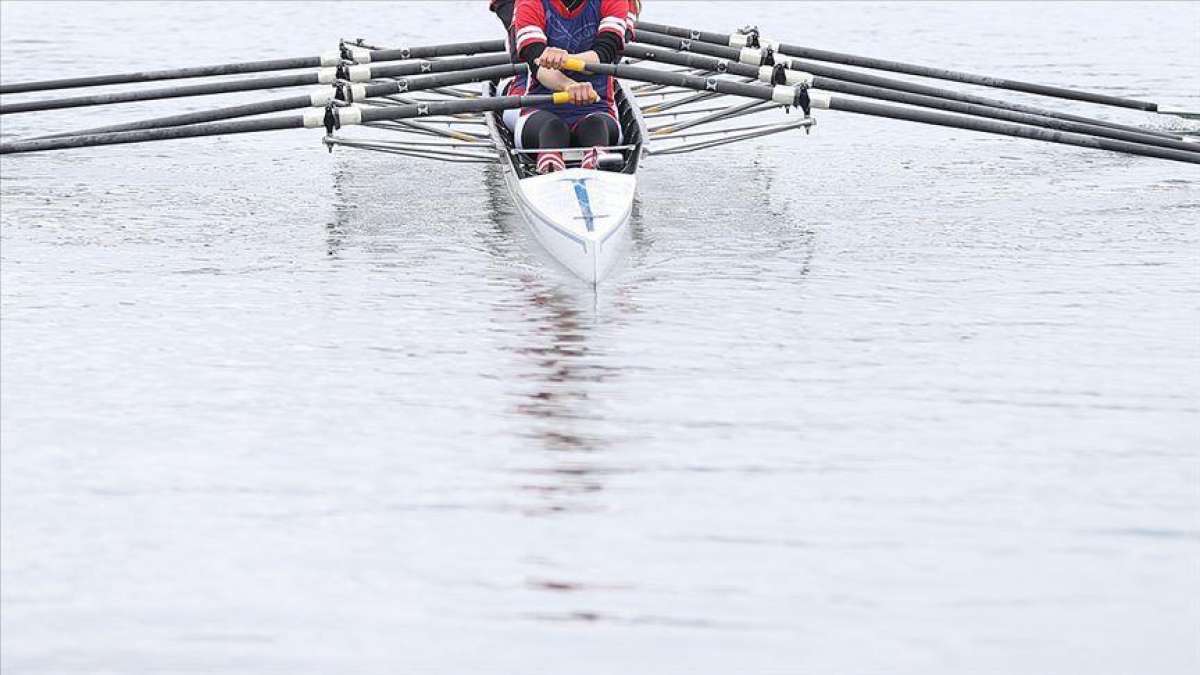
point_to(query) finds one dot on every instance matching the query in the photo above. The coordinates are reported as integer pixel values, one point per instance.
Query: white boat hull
(580, 216)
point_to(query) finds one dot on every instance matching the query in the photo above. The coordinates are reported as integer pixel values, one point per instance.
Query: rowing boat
(580, 216)
(679, 90)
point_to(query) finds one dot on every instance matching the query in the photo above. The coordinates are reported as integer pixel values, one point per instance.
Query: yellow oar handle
(562, 97)
(577, 65)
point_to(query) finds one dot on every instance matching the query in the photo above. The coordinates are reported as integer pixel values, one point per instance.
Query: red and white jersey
(552, 23)
(631, 17)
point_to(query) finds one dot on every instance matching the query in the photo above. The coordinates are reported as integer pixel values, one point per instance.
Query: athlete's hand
(552, 58)
(581, 93)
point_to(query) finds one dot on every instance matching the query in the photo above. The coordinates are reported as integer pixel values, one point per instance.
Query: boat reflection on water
(556, 351)
(560, 364)
(343, 211)
(355, 215)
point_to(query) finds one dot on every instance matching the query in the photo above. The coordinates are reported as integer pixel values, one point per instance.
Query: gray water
(881, 399)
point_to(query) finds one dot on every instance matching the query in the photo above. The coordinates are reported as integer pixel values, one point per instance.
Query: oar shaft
(835, 85)
(820, 100)
(274, 82)
(142, 136)
(360, 73)
(907, 68)
(419, 83)
(199, 117)
(435, 108)
(655, 76)
(365, 73)
(172, 74)
(1004, 115)
(330, 59)
(311, 119)
(816, 68)
(454, 49)
(1007, 129)
(448, 79)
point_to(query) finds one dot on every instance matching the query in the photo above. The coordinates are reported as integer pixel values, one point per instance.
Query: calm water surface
(884, 398)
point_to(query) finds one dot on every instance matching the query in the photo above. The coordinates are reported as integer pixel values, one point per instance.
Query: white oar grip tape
(781, 93)
(360, 73)
(751, 56)
(351, 114)
(355, 54)
(792, 77)
(315, 119)
(793, 96)
(322, 97)
(782, 60)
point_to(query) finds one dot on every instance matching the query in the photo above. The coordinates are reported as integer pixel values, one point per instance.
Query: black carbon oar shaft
(1008, 129)
(769, 93)
(834, 85)
(733, 54)
(449, 79)
(142, 136)
(172, 74)
(199, 117)
(483, 104)
(453, 49)
(311, 119)
(912, 69)
(273, 82)
(418, 83)
(443, 66)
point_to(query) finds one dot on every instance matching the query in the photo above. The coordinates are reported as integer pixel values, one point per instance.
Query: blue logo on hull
(585, 203)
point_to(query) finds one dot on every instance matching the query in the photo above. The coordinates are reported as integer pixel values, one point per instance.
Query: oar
(752, 39)
(348, 94)
(330, 118)
(349, 52)
(781, 75)
(359, 73)
(801, 97)
(754, 56)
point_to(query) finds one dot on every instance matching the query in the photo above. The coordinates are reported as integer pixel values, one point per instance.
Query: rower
(631, 17)
(503, 9)
(545, 34)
